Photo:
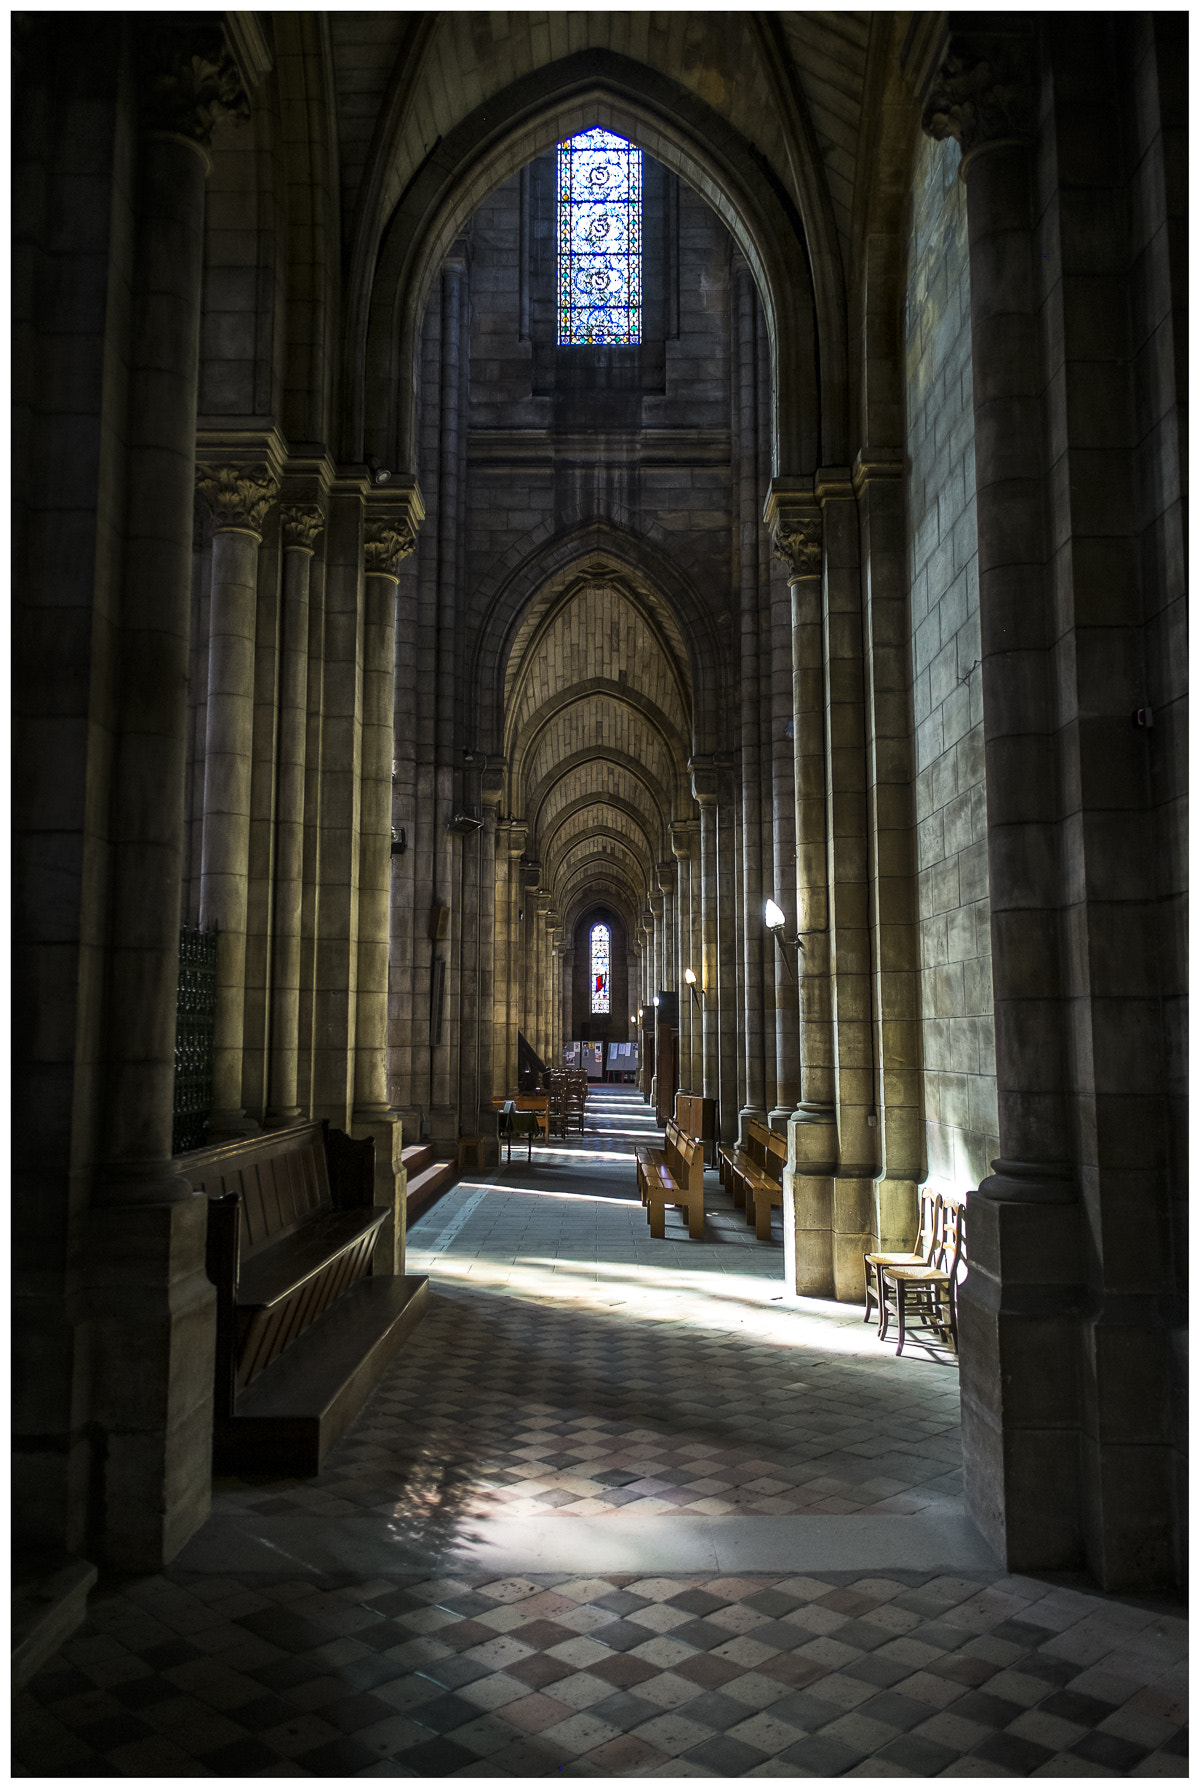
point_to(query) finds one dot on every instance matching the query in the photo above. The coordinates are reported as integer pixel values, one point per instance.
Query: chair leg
(900, 1314)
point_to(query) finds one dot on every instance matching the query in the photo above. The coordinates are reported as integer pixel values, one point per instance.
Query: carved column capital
(393, 519)
(387, 540)
(300, 524)
(983, 91)
(187, 79)
(793, 517)
(238, 496)
(667, 876)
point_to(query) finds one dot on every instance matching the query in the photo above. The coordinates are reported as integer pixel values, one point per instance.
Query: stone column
(239, 495)
(389, 536)
(150, 1303)
(794, 519)
(568, 1001)
(1021, 1427)
(300, 525)
(402, 995)
(691, 999)
(782, 970)
(849, 886)
(731, 1059)
(896, 1012)
(752, 1018)
(704, 792)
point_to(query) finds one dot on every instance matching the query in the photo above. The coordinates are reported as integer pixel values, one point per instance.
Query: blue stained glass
(600, 991)
(599, 240)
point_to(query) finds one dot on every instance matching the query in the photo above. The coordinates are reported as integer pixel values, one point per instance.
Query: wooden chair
(926, 1297)
(920, 1255)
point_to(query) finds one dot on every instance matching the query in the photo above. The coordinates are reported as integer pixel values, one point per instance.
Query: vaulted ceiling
(598, 727)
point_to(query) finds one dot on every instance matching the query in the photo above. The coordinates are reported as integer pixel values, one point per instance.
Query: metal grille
(195, 1010)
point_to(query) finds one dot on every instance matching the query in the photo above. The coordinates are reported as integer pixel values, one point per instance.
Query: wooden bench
(673, 1176)
(304, 1328)
(753, 1176)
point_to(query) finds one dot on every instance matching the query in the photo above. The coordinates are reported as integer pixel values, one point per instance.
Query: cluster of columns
(289, 833)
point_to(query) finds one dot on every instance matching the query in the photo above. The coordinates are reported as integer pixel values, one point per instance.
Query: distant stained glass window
(599, 240)
(601, 938)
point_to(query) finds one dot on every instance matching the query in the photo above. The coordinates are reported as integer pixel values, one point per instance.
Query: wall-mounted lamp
(775, 919)
(654, 1002)
(689, 976)
(380, 475)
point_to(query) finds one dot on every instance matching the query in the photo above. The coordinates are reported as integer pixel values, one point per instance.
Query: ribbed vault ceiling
(598, 725)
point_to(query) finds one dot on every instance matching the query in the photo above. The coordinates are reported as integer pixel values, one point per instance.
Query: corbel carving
(238, 496)
(188, 79)
(982, 92)
(300, 524)
(794, 521)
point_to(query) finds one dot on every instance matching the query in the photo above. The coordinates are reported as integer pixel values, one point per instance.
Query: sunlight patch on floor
(700, 1301)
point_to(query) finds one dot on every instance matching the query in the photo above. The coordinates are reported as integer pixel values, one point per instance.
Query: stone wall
(951, 808)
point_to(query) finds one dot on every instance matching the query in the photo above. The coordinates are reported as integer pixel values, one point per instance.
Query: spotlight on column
(775, 919)
(689, 976)
(380, 475)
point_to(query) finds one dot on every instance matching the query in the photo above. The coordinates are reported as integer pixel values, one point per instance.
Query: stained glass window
(599, 240)
(600, 944)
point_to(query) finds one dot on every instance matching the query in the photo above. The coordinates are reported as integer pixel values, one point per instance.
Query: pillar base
(777, 1119)
(153, 1329)
(279, 1117)
(746, 1116)
(381, 1124)
(896, 1213)
(1018, 1323)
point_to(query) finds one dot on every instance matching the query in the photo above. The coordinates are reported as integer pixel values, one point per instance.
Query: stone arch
(694, 140)
(640, 560)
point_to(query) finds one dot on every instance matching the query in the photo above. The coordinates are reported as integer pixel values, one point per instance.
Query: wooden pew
(673, 1176)
(303, 1326)
(753, 1176)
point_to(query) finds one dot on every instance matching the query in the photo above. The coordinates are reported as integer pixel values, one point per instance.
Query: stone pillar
(704, 792)
(849, 887)
(150, 1303)
(402, 995)
(1020, 1304)
(239, 495)
(335, 994)
(300, 525)
(894, 919)
(781, 969)
(684, 835)
(752, 1018)
(794, 519)
(731, 1059)
(568, 994)
(389, 537)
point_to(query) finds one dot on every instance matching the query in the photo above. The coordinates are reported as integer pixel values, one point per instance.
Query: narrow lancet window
(599, 240)
(601, 938)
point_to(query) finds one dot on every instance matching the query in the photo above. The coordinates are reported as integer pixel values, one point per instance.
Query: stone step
(432, 1177)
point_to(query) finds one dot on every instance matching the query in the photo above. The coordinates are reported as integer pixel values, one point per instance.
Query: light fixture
(776, 919)
(654, 1002)
(380, 475)
(689, 976)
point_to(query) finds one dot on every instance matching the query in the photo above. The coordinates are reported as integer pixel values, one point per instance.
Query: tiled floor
(580, 1387)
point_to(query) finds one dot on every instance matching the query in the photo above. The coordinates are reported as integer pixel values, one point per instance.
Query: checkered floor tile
(570, 1365)
(903, 1674)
